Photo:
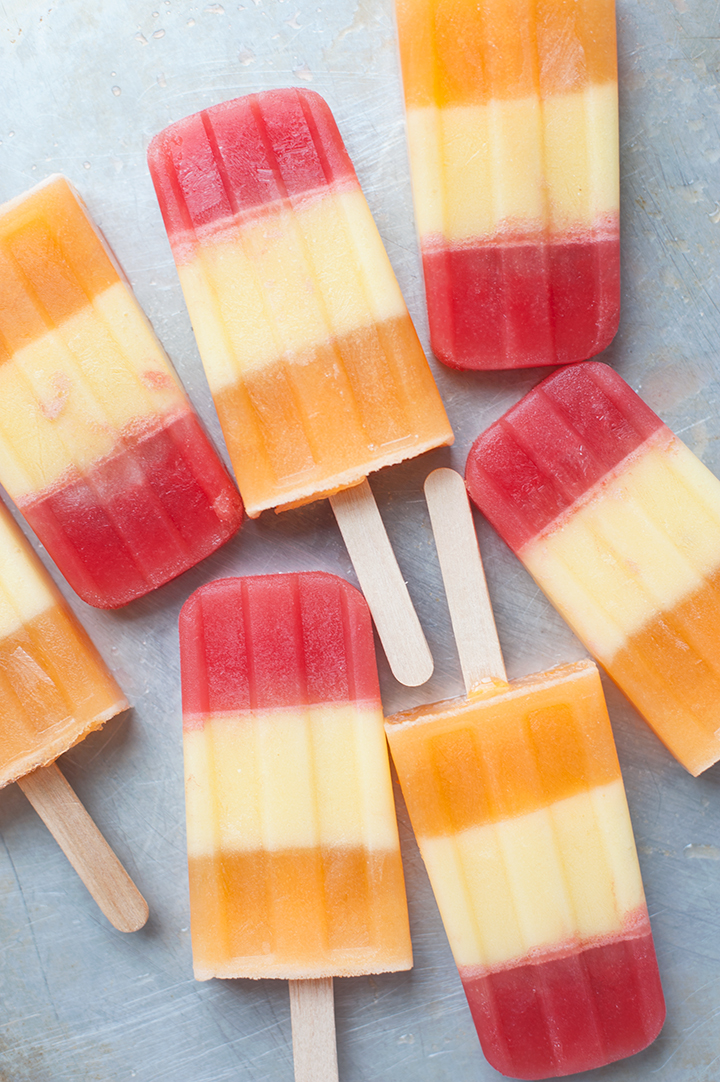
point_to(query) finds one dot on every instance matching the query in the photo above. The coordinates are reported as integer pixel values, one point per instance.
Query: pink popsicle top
(557, 442)
(272, 641)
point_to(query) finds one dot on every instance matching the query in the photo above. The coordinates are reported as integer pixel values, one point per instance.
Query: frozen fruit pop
(293, 848)
(619, 523)
(99, 446)
(518, 805)
(315, 367)
(54, 690)
(513, 141)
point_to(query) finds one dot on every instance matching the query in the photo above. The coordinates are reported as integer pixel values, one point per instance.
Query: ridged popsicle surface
(513, 141)
(293, 849)
(99, 446)
(619, 524)
(314, 365)
(519, 810)
(54, 687)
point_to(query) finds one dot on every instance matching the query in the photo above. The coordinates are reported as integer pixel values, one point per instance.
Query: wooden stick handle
(313, 1030)
(383, 585)
(464, 578)
(82, 843)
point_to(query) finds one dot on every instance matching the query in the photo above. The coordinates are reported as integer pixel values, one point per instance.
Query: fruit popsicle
(99, 447)
(619, 523)
(54, 690)
(518, 806)
(293, 849)
(512, 134)
(314, 364)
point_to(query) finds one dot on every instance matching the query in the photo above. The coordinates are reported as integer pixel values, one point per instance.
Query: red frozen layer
(141, 517)
(570, 1014)
(555, 444)
(523, 304)
(272, 641)
(244, 153)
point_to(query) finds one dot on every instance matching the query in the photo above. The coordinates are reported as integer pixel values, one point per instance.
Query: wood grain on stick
(312, 1011)
(64, 815)
(464, 579)
(382, 584)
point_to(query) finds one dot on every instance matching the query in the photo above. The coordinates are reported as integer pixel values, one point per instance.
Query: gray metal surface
(83, 87)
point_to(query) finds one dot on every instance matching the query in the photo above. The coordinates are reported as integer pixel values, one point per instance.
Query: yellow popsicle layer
(556, 876)
(517, 166)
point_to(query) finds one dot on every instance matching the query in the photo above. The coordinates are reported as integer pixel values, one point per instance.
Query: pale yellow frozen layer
(538, 880)
(289, 779)
(24, 594)
(635, 547)
(66, 396)
(285, 282)
(515, 164)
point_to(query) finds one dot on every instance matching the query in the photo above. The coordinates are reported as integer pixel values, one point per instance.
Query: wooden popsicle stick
(464, 579)
(382, 583)
(312, 1012)
(64, 815)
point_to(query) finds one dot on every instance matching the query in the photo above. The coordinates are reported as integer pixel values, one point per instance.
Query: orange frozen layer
(245, 912)
(54, 689)
(459, 51)
(670, 669)
(548, 732)
(323, 420)
(47, 229)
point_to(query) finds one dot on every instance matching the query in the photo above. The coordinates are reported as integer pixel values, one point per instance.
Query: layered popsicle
(293, 848)
(315, 367)
(517, 802)
(513, 142)
(54, 690)
(619, 524)
(99, 446)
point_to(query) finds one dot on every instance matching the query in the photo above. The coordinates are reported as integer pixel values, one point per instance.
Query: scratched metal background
(83, 87)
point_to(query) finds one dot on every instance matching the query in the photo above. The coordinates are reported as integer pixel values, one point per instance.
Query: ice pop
(54, 690)
(99, 446)
(513, 141)
(315, 367)
(293, 848)
(619, 523)
(518, 805)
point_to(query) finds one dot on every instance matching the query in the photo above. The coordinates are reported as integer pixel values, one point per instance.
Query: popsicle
(315, 367)
(54, 690)
(99, 446)
(293, 850)
(519, 810)
(513, 140)
(619, 523)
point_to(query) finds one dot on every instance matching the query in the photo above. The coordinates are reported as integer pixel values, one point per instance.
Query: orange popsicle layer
(98, 444)
(315, 367)
(512, 134)
(54, 687)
